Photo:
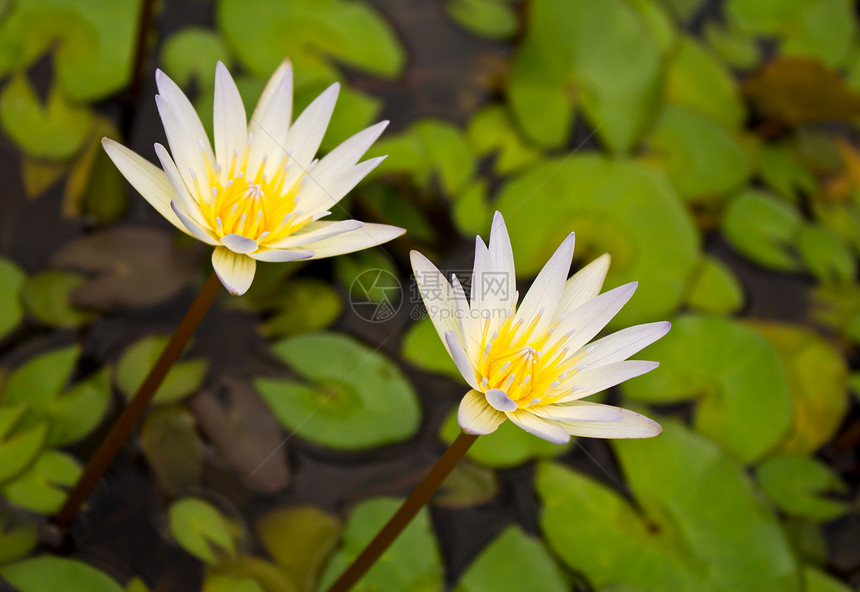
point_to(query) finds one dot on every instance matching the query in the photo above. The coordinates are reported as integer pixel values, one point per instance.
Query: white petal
(600, 378)
(273, 87)
(270, 125)
(239, 244)
(235, 271)
(502, 262)
(455, 348)
(586, 321)
(192, 228)
(539, 427)
(229, 123)
(482, 266)
(322, 191)
(476, 417)
(579, 411)
(316, 231)
(190, 205)
(499, 400)
(365, 237)
(150, 181)
(304, 137)
(469, 327)
(346, 154)
(186, 148)
(546, 290)
(437, 295)
(630, 425)
(585, 284)
(623, 344)
(281, 255)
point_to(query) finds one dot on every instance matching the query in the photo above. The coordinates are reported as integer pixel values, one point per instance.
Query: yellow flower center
(520, 363)
(250, 203)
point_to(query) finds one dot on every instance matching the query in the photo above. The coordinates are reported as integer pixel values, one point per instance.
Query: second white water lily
(260, 194)
(531, 362)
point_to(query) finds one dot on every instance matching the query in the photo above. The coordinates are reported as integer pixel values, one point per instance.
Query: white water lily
(532, 362)
(260, 194)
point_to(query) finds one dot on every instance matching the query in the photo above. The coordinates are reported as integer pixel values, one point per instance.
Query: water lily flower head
(531, 362)
(260, 194)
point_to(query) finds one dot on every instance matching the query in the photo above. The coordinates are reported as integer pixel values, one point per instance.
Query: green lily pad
(318, 34)
(827, 255)
(72, 413)
(12, 279)
(356, 397)
(202, 530)
(217, 582)
(430, 149)
(38, 574)
(191, 54)
(511, 563)
(471, 212)
(491, 130)
(468, 485)
(736, 46)
(602, 55)
(136, 585)
(822, 29)
(702, 158)
(183, 379)
(764, 228)
(698, 80)
(797, 485)
(47, 296)
(423, 349)
(732, 372)
(817, 380)
(780, 170)
(818, 581)
(18, 447)
(683, 10)
(509, 446)
(299, 539)
(371, 278)
(308, 305)
(615, 206)
(411, 563)
(18, 537)
(42, 487)
(715, 289)
(681, 536)
(56, 130)
(92, 41)
(494, 19)
(173, 449)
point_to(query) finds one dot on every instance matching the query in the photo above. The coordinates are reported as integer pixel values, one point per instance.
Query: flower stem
(405, 514)
(132, 413)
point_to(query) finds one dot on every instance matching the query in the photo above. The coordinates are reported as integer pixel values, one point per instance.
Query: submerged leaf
(48, 295)
(183, 379)
(173, 449)
(201, 529)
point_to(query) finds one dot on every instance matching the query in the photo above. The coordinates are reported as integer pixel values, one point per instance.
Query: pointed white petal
(187, 148)
(239, 244)
(476, 417)
(469, 327)
(191, 227)
(281, 255)
(270, 125)
(482, 266)
(229, 122)
(455, 348)
(630, 425)
(186, 128)
(437, 294)
(150, 181)
(190, 205)
(502, 261)
(579, 411)
(600, 378)
(586, 321)
(235, 271)
(538, 426)
(365, 237)
(273, 89)
(585, 284)
(304, 137)
(346, 154)
(623, 344)
(499, 400)
(322, 191)
(546, 290)
(316, 231)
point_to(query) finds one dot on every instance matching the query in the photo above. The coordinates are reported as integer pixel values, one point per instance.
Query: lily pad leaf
(467, 485)
(827, 255)
(817, 380)
(764, 228)
(412, 562)
(471, 212)
(173, 449)
(684, 537)
(818, 581)
(201, 529)
(796, 483)
(18, 447)
(355, 397)
(191, 54)
(219, 582)
(615, 206)
(701, 361)
(370, 276)
(55, 131)
(509, 446)
(491, 130)
(38, 574)
(42, 488)
(781, 170)
(423, 349)
(307, 305)
(510, 564)
(47, 296)
(299, 539)
(18, 536)
(715, 289)
(737, 47)
(494, 19)
(12, 279)
(183, 379)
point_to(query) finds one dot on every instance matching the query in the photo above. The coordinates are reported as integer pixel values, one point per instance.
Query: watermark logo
(375, 295)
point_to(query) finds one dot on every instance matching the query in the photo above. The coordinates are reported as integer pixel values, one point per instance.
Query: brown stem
(405, 514)
(132, 413)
